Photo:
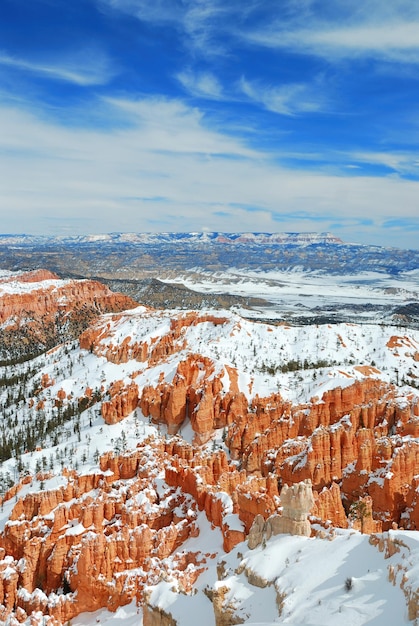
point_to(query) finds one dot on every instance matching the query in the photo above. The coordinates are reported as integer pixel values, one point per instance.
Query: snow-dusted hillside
(96, 441)
(178, 238)
(295, 580)
(297, 361)
(303, 296)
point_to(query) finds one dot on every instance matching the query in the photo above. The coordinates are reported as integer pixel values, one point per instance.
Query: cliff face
(98, 538)
(38, 310)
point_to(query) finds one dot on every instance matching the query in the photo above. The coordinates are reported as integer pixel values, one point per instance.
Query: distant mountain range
(145, 255)
(160, 238)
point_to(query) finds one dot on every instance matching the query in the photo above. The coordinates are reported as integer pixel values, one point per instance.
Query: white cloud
(167, 170)
(403, 163)
(288, 99)
(201, 84)
(169, 126)
(157, 11)
(375, 29)
(84, 68)
(199, 21)
(381, 29)
(391, 42)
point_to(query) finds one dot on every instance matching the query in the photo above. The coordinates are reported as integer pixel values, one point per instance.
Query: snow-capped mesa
(207, 237)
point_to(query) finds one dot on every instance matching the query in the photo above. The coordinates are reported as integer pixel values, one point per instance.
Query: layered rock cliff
(39, 310)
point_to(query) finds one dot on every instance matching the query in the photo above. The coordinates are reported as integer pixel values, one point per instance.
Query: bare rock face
(123, 400)
(349, 435)
(297, 501)
(224, 611)
(328, 507)
(361, 518)
(256, 532)
(39, 310)
(153, 616)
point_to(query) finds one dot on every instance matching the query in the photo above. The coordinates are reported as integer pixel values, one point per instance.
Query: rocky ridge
(39, 310)
(200, 413)
(362, 435)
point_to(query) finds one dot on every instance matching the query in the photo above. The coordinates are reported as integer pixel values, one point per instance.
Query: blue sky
(182, 115)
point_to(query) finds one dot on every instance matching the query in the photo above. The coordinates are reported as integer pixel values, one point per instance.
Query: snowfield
(298, 293)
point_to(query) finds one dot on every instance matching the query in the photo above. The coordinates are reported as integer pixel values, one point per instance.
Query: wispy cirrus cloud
(335, 31)
(156, 11)
(387, 31)
(84, 68)
(201, 84)
(403, 163)
(195, 176)
(390, 42)
(289, 99)
(205, 25)
(169, 125)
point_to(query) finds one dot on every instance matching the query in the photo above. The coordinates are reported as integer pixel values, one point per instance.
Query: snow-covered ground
(307, 578)
(297, 293)
(264, 355)
(328, 355)
(345, 581)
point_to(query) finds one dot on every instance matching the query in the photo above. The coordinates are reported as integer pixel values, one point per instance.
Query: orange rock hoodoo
(100, 538)
(354, 436)
(350, 436)
(106, 534)
(103, 535)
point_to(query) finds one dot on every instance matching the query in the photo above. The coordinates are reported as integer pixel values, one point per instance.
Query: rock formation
(123, 401)
(98, 532)
(273, 466)
(297, 501)
(39, 310)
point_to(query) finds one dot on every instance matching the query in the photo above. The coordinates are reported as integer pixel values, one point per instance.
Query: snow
(318, 582)
(297, 293)
(129, 615)
(255, 349)
(308, 574)
(252, 348)
(76, 528)
(9, 286)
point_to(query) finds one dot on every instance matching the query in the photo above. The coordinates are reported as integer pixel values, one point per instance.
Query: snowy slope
(299, 294)
(308, 582)
(326, 356)
(322, 357)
